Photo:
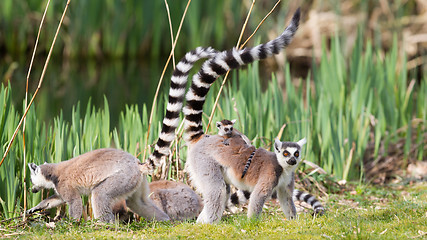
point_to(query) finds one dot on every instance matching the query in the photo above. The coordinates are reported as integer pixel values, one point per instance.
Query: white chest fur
(234, 180)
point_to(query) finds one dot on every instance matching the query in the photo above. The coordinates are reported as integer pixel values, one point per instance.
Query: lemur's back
(93, 167)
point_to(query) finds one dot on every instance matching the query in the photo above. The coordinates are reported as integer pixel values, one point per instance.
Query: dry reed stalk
(171, 29)
(26, 100)
(39, 85)
(161, 77)
(238, 42)
(163, 174)
(228, 72)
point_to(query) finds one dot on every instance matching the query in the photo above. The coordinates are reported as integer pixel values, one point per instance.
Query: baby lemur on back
(108, 175)
(227, 130)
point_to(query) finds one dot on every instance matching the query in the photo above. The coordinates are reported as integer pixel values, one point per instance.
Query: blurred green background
(117, 48)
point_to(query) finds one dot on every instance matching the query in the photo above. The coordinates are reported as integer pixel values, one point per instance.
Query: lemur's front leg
(50, 202)
(286, 202)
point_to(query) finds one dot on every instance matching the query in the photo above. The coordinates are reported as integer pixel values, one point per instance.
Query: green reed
(344, 104)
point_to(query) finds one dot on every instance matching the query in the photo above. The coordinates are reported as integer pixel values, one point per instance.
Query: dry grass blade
(39, 85)
(26, 101)
(238, 42)
(259, 25)
(161, 77)
(226, 75)
(171, 29)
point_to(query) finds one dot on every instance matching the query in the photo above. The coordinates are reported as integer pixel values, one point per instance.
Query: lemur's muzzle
(292, 161)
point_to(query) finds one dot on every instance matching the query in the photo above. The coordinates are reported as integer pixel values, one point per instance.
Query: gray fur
(212, 166)
(108, 175)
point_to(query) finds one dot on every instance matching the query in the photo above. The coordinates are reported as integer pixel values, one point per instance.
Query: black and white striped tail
(219, 65)
(241, 197)
(310, 199)
(176, 96)
(248, 163)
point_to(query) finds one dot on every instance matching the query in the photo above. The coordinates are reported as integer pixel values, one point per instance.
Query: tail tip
(319, 211)
(297, 16)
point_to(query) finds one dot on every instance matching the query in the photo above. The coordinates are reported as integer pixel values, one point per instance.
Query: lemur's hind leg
(212, 187)
(214, 199)
(105, 195)
(140, 203)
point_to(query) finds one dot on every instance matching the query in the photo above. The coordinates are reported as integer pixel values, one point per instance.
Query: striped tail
(248, 163)
(310, 199)
(176, 96)
(219, 65)
(241, 197)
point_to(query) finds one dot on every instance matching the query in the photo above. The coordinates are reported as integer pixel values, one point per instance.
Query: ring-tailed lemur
(108, 175)
(211, 163)
(218, 64)
(176, 199)
(227, 130)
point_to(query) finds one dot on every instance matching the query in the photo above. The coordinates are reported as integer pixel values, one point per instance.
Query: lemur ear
(277, 144)
(233, 121)
(33, 167)
(302, 142)
(218, 124)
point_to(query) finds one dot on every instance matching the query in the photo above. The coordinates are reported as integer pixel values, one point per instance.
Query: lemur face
(38, 179)
(288, 153)
(225, 127)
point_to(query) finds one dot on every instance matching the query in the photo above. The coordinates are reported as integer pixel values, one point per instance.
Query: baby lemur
(108, 175)
(227, 130)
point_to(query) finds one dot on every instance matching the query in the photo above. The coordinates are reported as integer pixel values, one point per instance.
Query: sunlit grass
(385, 213)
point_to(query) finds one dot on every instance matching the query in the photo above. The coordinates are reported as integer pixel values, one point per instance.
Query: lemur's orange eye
(296, 154)
(286, 153)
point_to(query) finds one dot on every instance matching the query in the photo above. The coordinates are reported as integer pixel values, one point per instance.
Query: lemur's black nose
(34, 190)
(292, 161)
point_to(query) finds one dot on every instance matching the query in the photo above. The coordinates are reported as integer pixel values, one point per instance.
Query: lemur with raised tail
(211, 163)
(218, 63)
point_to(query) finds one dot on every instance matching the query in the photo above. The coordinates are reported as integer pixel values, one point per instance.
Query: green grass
(365, 213)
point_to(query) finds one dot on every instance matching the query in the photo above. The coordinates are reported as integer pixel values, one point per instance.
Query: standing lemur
(210, 162)
(227, 130)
